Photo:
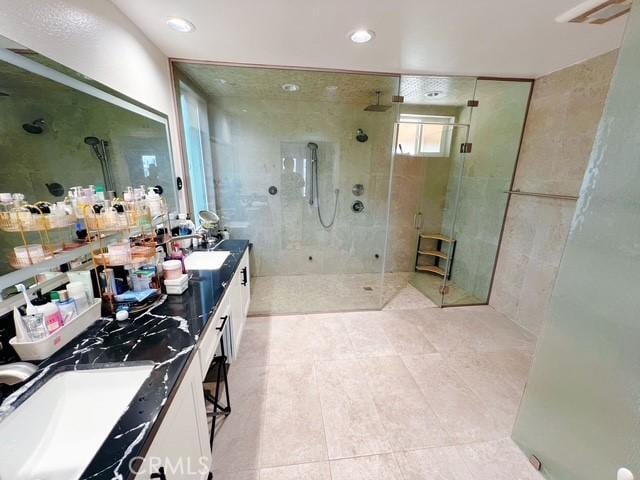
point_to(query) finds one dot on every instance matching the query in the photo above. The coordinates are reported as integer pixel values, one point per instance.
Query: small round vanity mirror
(208, 218)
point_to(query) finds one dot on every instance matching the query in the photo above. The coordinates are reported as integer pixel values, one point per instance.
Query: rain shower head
(36, 127)
(377, 107)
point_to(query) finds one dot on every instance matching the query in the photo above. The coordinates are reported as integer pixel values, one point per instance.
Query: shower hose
(317, 192)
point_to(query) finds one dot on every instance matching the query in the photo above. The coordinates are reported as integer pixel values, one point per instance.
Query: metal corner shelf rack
(436, 253)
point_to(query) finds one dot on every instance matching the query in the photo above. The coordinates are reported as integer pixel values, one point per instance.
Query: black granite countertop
(167, 335)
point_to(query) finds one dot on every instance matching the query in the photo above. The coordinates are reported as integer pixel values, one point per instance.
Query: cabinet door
(180, 448)
(245, 275)
(240, 297)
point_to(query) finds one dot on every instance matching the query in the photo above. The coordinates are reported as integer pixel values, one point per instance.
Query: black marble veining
(167, 335)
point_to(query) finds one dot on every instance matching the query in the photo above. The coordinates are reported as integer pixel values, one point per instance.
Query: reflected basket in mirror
(121, 216)
(26, 255)
(23, 219)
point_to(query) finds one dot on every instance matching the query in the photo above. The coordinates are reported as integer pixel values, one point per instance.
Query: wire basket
(23, 261)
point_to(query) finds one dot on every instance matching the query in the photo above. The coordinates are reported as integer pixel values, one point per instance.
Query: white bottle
(154, 203)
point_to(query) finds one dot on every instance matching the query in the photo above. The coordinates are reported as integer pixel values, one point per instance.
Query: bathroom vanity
(162, 430)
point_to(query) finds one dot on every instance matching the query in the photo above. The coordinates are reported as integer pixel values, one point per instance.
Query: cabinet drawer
(211, 339)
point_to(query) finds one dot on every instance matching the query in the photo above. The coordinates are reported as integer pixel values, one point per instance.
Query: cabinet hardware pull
(160, 474)
(224, 320)
(244, 276)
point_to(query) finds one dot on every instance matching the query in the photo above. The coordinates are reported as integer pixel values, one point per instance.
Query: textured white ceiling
(462, 37)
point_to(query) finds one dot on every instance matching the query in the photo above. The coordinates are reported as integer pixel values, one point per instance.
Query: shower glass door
(484, 176)
(428, 161)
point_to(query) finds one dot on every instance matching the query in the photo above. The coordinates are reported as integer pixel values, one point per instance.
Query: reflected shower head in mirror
(361, 136)
(377, 107)
(94, 143)
(36, 127)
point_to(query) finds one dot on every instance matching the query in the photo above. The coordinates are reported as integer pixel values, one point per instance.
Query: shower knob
(357, 206)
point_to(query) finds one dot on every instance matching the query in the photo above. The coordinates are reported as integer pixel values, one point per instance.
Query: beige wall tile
(563, 117)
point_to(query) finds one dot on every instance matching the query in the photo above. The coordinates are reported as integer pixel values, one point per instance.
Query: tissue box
(177, 286)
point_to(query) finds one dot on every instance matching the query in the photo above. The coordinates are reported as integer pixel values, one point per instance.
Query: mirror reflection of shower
(100, 149)
(314, 196)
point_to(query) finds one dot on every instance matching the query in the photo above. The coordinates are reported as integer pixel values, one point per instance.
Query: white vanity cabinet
(180, 448)
(240, 296)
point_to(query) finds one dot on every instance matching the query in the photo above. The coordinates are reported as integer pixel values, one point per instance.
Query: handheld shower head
(312, 146)
(92, 141)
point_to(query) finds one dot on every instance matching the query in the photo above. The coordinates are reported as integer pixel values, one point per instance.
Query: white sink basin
(57, 431)
(205, 260)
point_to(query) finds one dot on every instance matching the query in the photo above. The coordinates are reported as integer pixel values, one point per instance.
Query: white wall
(94, 38)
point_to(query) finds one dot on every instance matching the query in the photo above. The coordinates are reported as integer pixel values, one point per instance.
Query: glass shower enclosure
(300, 162)
(354, 188)
(456, 145)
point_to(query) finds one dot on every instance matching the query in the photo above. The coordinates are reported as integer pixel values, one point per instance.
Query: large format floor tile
(305, 471)
(292, 428)
(407, 394)
(464, 415)
(406, 416)
(351, 421)
(374, 467)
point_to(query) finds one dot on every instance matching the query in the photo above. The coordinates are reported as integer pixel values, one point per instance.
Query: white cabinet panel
(180, 448)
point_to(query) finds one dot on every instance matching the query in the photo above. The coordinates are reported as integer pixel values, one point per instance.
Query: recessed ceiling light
(181, 25)
(362, 36)
(435, 94)
(290, 87)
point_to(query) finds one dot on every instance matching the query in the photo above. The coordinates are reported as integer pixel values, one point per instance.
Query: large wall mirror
(59, 130)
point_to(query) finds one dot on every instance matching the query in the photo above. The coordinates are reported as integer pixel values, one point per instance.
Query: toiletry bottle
(52, 317)
(178, 255)
(100, 194)
(67, 306)
(54, 296)
(78, 293)
(22, 334)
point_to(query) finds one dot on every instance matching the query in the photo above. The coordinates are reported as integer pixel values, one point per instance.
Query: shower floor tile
(394, 394)
(291, 294)
(321, 293)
